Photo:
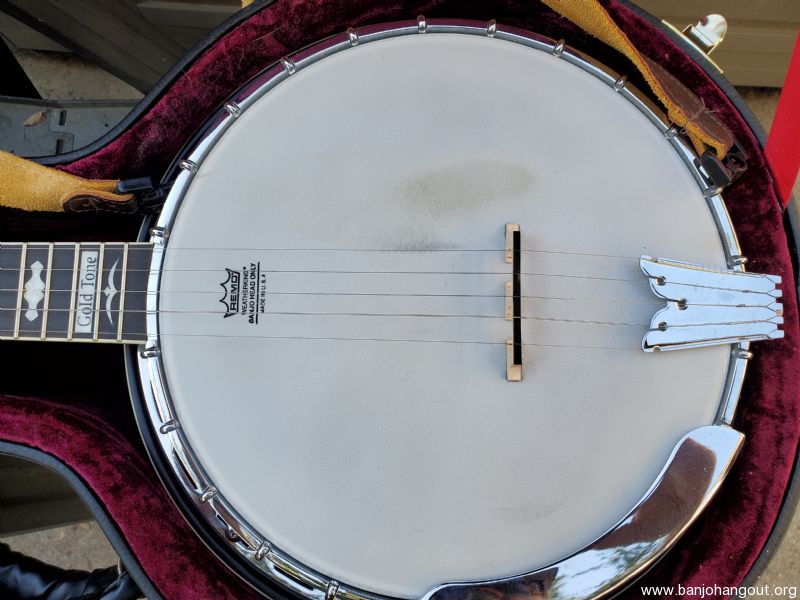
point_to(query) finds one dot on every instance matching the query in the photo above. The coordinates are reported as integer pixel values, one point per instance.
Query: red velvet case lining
(80, 412)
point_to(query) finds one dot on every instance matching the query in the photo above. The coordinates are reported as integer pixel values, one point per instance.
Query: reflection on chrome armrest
(694, 471)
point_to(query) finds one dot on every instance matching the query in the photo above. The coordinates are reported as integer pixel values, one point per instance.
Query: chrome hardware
(262, 551)
(208, 494)
(313, 585)
(713, 191)
(422, 24)
(707, 33)
(738, 259)
(352, 34)
(619, 84)
(188, 165)
(710, 307)
(170, 425)
(687, 483)
(491, 28)
(158, 236)
(740, 356)
(289, 66)
(672, 132)
(150, 352)
(332, 590)
(233, 109)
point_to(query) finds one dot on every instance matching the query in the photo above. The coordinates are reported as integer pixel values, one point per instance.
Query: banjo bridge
(513, 309)
(710, 307)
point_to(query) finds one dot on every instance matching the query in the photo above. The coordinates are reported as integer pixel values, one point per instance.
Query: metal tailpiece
(710, 307)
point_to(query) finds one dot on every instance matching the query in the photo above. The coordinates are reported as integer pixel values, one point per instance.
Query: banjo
(440, 310)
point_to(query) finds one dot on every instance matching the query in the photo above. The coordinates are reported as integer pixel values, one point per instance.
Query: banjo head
(331, 385)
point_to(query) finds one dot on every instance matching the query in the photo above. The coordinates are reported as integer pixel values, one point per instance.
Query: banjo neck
(74, 292)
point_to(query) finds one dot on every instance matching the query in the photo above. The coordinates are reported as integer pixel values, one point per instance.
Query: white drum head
(383, 451)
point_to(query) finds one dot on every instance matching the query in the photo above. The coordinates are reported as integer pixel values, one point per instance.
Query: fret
(82, 292)
(48, 289)
(97, 290)
(73, 287)
(122, 289)
(20, 291)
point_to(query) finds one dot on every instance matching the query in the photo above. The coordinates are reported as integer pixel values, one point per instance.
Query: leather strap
(27, 185)
(683, 108)
(783, 143)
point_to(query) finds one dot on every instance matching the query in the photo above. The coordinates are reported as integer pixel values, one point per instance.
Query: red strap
(783, 144)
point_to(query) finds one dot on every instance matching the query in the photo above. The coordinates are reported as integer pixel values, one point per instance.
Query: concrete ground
(83, 546)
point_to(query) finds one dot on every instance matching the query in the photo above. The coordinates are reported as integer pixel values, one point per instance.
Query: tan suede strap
(30, 186)
(683, 108)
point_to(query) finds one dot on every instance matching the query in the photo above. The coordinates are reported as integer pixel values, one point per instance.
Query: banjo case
(68, 407)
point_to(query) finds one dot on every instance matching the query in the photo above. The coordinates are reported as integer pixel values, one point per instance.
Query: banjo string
(391, 295)
(406, 251)
(406, 272)
(386, 272)
(369, 314)
(654, 302)
(421, 315)
(401, 340)
(630, 349)
(4, 333)
(491, 273)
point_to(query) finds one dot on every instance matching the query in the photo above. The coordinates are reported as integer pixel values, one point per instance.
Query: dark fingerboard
(86, 292)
